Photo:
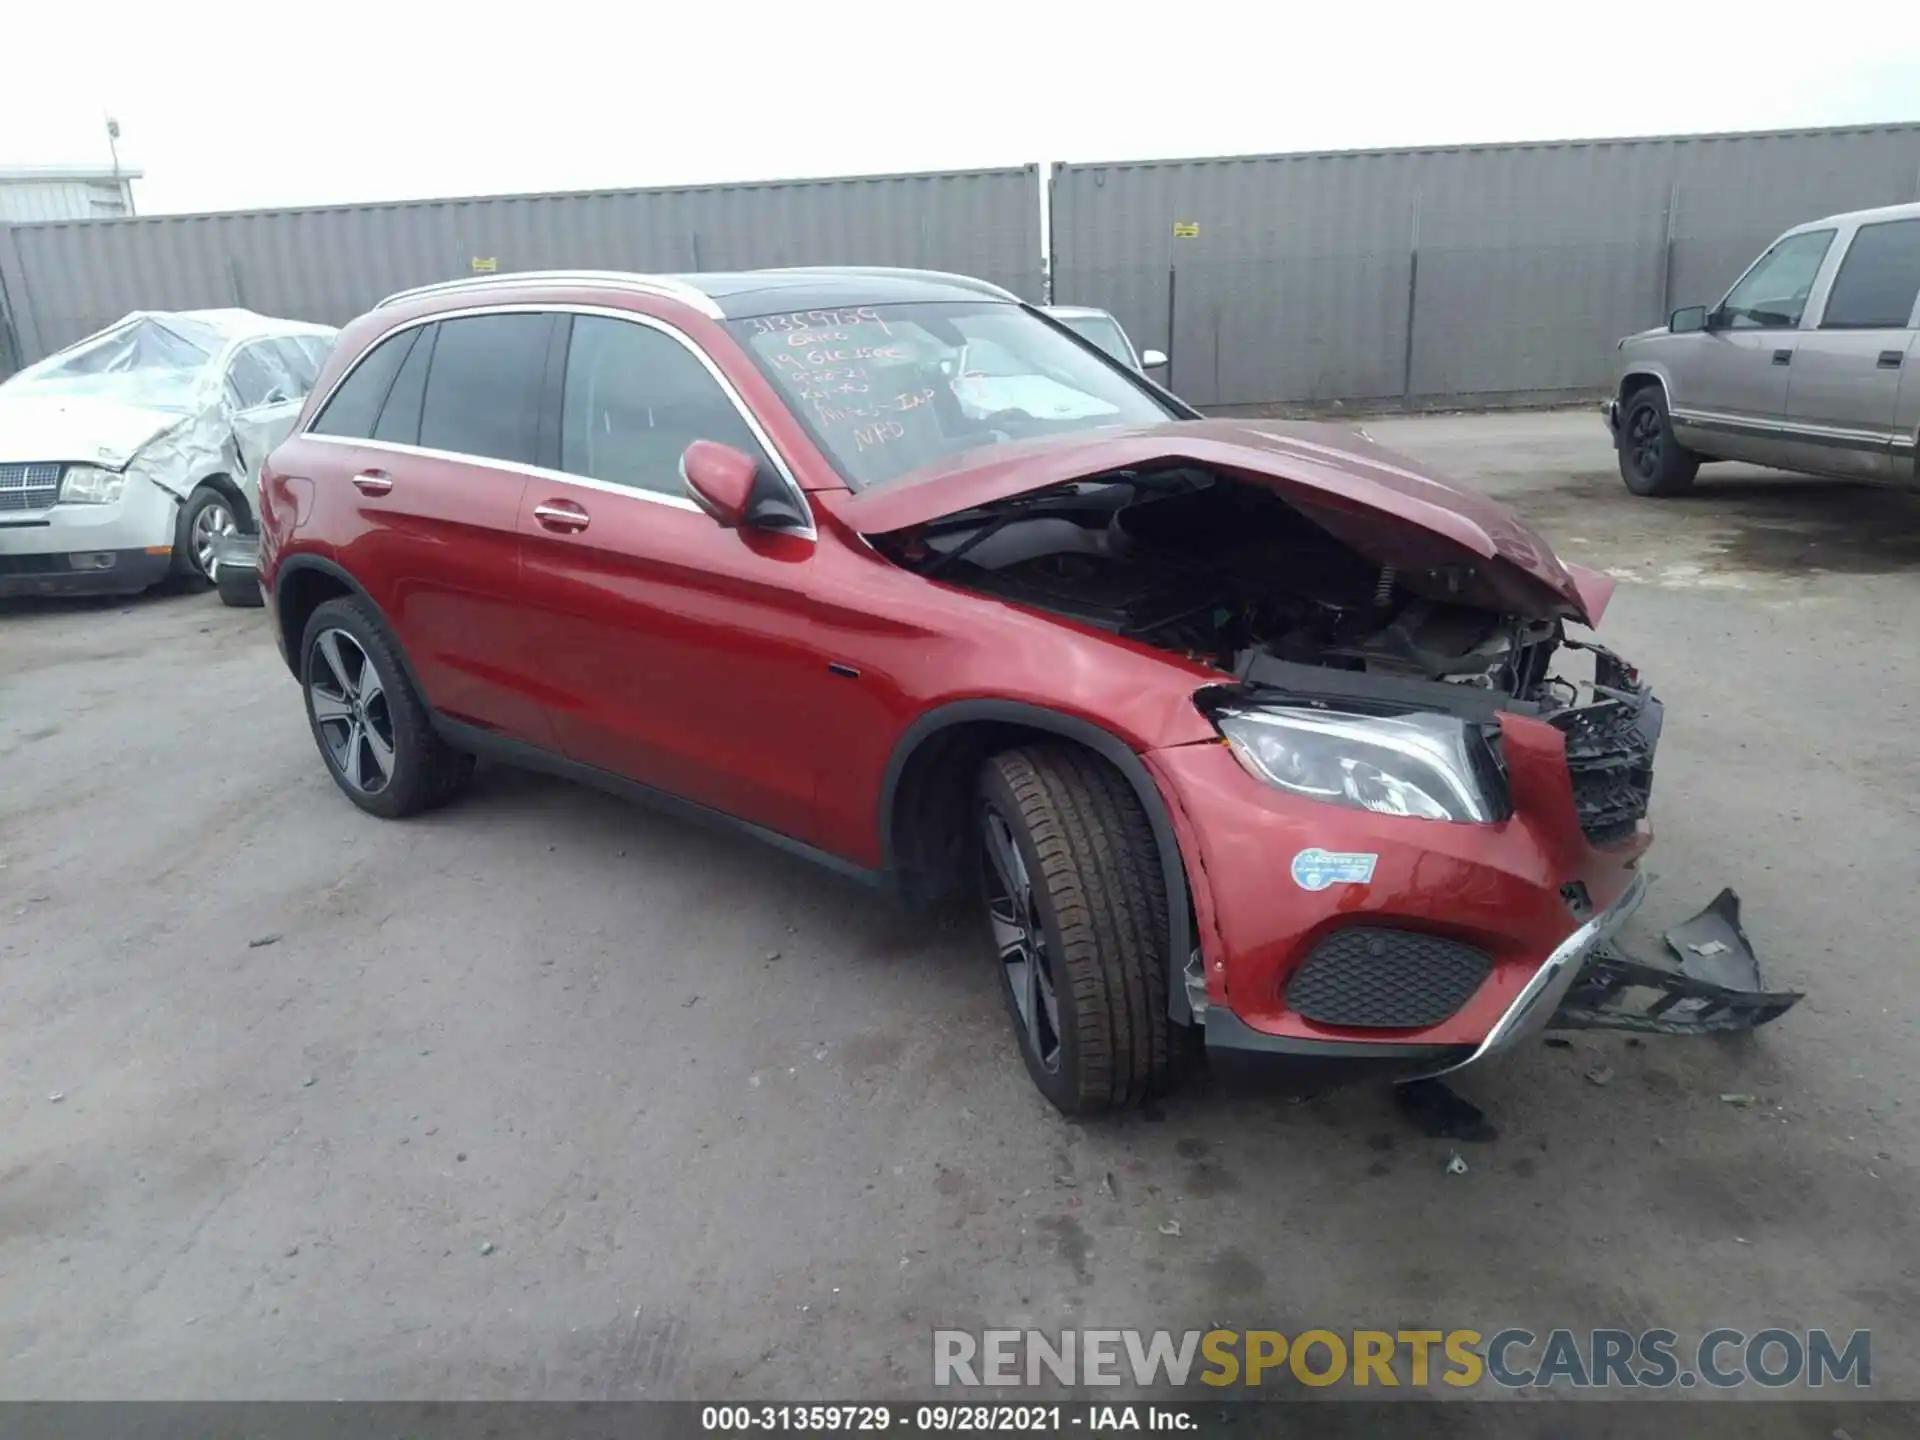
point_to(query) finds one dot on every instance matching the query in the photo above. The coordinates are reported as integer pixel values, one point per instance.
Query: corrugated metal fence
(63, 281)
(1483, 274)
(1480, 274)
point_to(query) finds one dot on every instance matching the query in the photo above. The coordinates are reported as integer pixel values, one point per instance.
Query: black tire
(1096, 901)
(1652, 462)
(187, 570)
(422, 770)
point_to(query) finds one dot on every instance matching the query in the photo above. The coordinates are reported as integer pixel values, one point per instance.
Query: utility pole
(113, 149)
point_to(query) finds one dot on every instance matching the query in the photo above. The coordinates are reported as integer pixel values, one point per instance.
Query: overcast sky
(263, 104)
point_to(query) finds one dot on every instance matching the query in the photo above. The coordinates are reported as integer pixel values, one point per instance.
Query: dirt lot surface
(548, 1096)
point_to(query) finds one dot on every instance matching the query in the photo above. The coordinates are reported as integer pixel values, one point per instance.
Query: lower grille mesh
(1379, 979)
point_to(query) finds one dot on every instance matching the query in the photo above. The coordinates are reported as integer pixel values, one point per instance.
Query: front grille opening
(29, 487)
(1373, 978)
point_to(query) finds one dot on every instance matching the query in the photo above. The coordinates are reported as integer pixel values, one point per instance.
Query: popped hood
(45, 424)
(1444, 540)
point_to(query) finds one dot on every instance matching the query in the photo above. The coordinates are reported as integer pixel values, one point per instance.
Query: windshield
(885, 389)
(1102, 330)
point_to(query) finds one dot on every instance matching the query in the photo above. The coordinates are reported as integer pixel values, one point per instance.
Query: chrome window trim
(772, 451)
(623, 279)
(511, 467)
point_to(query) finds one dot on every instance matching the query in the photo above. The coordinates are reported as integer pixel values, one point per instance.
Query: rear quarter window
(354, 408)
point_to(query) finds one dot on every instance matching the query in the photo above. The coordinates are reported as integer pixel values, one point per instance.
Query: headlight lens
(90, 485)
(1419, 765)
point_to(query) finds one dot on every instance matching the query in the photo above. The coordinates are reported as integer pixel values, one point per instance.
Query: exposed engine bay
(1222, 573)
(1233, 576)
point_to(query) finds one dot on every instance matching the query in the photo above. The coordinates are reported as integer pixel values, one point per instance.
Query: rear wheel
(373, 731)
(1078, 909)
(1652, 462)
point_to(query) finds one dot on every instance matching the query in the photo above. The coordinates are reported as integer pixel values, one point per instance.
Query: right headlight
(90, 485)
(1417, 765)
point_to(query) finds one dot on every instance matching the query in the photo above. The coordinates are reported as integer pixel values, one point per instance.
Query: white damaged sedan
(127, 457)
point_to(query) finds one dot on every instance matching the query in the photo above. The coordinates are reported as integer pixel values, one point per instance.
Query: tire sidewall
(347, 616)
(1061, 1086)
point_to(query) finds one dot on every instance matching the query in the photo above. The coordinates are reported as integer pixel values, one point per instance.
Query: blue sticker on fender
(1317, 869)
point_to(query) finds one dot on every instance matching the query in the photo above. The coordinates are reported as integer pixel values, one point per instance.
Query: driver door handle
(1783, 357)
(562, 517)
(373, 482)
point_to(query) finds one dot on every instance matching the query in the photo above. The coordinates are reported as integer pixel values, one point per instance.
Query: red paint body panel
(439, 553)
(679, 654)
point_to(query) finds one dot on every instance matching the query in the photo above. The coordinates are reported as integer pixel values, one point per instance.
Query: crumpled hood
(1445, 540)
(48, 424)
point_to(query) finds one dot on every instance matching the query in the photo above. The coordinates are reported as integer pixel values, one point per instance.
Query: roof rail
(966, 282)
(617, 279)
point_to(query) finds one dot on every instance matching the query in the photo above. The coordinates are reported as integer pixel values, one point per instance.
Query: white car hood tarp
(149, 396)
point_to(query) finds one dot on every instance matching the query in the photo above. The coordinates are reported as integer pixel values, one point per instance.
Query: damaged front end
(1379, 645)
(1709, 984)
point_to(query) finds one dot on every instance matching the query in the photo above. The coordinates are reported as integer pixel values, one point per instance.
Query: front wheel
(205, 520)
(1077, 905)
(1652, 461)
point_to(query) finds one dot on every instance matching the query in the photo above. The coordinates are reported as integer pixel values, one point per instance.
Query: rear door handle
(1783, 357)
(561, 516)
(373, 482)
(1890, 359)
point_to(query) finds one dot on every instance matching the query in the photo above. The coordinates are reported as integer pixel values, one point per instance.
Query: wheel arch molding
(907, 877)
(297, 565)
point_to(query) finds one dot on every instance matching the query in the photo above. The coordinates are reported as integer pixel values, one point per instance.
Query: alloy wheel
(210, 526)
(1644, 440)
(1021, 939)
(349, 703)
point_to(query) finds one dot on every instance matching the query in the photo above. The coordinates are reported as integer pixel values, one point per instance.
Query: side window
(400, 417)
(355, 406)
(483, 386)
(1773, 294)
(634, 399)
(1878, 280)
(297, 367)
(250, 377)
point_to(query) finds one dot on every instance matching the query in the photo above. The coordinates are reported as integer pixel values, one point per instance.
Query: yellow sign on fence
(1186, 229)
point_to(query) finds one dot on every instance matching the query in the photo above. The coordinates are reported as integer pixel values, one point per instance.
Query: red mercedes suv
(1247, 733)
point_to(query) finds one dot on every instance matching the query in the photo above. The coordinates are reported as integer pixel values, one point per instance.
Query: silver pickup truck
(1809, 363)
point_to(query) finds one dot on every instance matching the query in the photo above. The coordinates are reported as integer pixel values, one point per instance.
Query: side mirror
(1687, 319)
(720, 479)
(1152, 359)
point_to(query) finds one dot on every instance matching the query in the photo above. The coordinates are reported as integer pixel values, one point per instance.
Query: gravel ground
(546, 1096)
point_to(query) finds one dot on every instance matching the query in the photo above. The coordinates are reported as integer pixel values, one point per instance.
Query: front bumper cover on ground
(1710, 984)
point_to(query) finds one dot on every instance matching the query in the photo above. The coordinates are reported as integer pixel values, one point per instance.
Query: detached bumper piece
(236, 570)
(1710, 984)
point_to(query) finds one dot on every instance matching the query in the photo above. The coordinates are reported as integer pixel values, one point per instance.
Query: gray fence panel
(331, 264)
(1429, 276)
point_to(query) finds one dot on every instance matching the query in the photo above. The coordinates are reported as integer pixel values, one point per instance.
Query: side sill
(518, 753)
